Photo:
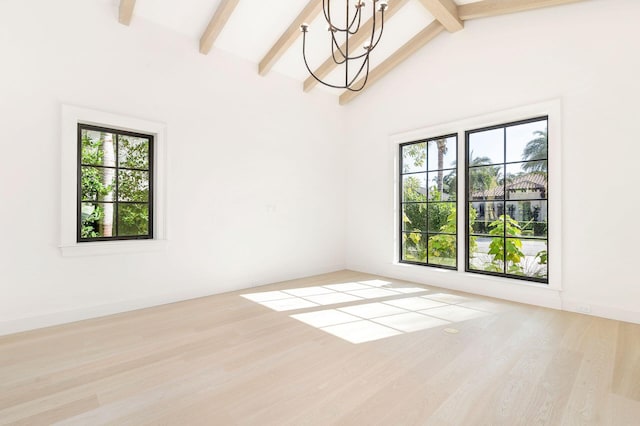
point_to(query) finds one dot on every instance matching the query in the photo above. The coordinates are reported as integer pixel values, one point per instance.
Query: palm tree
(482, 178)
(536, 150)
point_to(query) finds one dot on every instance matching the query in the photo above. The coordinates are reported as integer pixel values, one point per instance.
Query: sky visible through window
(483, 144)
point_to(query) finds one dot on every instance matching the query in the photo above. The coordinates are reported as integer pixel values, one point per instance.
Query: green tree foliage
(133, 185)
(542, 257)
(505, 251)
(442, 248)
(441, 217)
(414, 219)
(417, 152)
(473, 243)
(92, 185)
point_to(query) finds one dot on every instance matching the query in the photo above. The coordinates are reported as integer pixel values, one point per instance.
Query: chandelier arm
(357, 16)
(306, 64)
(334, 42)
(360, 56)
(355, 77)
(341, 53)
(373, 29)
(326, 7)
(364, 82)
(346, 43)
(373, 45)
(338, 61)
(326, 10)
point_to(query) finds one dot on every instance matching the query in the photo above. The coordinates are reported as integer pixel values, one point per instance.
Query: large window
(507, 200)
(115, 184)
(428, 220)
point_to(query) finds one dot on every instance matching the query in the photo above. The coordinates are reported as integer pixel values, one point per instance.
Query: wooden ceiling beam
(308, 14)
(445, 11)
(487, 8)
(358, 38)
(399, 56)
(125, 13)
(217, 23)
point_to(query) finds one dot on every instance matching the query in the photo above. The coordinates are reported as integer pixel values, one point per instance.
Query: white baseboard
(594, 309)
(476, 284)
(481, 285)
(18, 325)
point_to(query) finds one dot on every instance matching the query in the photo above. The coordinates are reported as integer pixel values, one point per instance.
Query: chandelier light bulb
(304, 27)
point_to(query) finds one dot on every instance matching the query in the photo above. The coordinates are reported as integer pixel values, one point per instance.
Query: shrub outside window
(428, 187)
(115, 184)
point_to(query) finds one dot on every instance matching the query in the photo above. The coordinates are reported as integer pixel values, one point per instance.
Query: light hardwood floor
(234, 359)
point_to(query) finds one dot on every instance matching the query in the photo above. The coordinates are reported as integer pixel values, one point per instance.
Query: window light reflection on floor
(401, 311)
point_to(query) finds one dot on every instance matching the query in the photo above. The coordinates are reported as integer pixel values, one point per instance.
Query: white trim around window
(552, 109)
(71, 116)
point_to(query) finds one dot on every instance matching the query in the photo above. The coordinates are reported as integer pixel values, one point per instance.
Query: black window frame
(117, 168)
(468, 201)
(401, 203)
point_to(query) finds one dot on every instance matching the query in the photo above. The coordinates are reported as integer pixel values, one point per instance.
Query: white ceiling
(256, 25)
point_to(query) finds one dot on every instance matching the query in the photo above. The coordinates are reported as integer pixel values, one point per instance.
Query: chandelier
(355, 63)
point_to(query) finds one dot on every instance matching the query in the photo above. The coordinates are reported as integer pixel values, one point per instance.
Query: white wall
(584, 54)
(255, 187)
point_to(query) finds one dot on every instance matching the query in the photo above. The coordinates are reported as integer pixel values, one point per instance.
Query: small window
(428, 190)
(115, 184)
(507, 200)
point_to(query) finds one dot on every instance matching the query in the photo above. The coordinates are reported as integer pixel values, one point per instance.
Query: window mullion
(116, 205)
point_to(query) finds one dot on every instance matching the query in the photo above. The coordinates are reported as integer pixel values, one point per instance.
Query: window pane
(442, 250)
(527, 181)
(442, 185)
(442, 217)
(98, 183)
(527, 141)
(486, 183)
(528, 169)
(414, 187)
(414, 217)
(486, 147)
(98, 148)
(507, 191)
(442, 153)
(97, 220)
(531, 217)
(528, 258)
(133, 152)
(133, 185)
(133, 219)
(414, 247)
(414, 157)
(486, 254)
(483, 216)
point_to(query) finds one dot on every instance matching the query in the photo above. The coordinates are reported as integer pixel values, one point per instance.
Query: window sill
(113, 247)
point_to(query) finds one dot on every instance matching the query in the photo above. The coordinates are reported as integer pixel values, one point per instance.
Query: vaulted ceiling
(267, 32)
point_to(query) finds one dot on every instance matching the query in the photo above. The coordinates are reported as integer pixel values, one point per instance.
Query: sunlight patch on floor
(400, 310)
(307, 297)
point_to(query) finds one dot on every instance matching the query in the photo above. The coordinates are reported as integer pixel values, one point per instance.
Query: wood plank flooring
(343, 348)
